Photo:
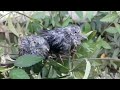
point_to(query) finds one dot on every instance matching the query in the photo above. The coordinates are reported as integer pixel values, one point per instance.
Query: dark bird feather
(34, 45)
(63, 40)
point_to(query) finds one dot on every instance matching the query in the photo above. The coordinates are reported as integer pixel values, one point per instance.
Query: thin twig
(108, 26)
(24, 15)
(5, 46)
(28, 17)
(5, 15)
(113, 59)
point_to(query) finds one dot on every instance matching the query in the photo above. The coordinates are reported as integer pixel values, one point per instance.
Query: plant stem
(5, 46)
(5, 15)
(108, 26)
(114, 59)
(29, 17)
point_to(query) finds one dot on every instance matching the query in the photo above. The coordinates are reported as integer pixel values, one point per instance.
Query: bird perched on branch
(35, 45)
(63, 40)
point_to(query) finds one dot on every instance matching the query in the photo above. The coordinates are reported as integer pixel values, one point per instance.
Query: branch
(28, 17)
(108, 26)
(5, 15)
(113, 59)
(24, 15)
(5, 46)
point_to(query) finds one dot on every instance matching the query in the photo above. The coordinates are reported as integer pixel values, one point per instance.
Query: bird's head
(76, 35)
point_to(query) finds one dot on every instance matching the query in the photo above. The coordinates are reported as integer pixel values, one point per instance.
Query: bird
(63, 41)
(33, 45)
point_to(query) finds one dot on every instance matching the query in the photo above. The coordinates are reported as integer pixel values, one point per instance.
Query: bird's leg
(51, 55)
(73, 52)
(61, 58)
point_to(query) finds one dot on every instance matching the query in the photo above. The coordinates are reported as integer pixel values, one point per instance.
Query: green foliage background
(97, 57)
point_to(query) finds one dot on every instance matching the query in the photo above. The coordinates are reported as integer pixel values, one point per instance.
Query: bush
(97, 57)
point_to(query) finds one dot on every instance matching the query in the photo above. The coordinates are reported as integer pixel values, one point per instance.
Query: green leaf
(118, 12)
(38, 15)
(90, 14)
(53, 22)
(66, 22)
(105, 45)
(111, 30)
(104, 11)
(59, 67)
(34, 26)
(57, 19)
(80, 14)
(45, 72)
(109, 17)
(27, 60)
(54, 13)
(58, 25)
(79, 65)
(63, 13)
(18, 74)
(78, 75)
(38, 67)
(27, 23)
(3, 69)
(85, 45)
(96, 52)
(93, 25)
(87, 28)
(1, 51)
(78, 70)
(20, 29)
(47, 22)
(92, 34)
(52, 73)
(87, 70)
(117, 27)
(11, 27)
(115, 53)
(117, 63)
(96, 63)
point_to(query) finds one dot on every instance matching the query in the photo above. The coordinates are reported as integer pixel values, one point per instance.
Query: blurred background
(97, 58)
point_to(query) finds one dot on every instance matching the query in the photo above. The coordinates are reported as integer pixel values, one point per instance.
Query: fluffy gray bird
(34, 45)
(63, 40)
